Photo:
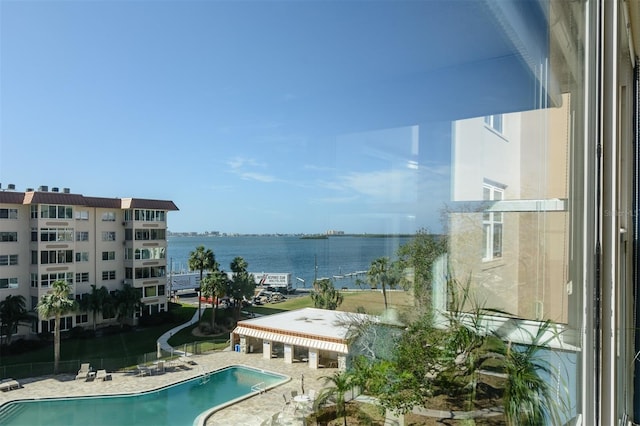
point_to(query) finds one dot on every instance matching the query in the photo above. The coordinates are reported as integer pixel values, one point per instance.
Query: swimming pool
(178, 404)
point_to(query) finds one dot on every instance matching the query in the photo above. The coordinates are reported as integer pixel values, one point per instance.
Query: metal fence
(121, 364)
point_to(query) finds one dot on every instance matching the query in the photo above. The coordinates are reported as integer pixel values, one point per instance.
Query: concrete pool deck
(250, 412)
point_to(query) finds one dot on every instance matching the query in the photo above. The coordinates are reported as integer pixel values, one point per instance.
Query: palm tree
(214, 285)
(56, 303)
(242, 283)
(325, 295)
(98, 300)
(341, 382)
(384, 273)
(529, 399)
(202, 259)
(127, 301)
(12, 312)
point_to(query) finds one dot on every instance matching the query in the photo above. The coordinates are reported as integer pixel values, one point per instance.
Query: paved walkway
(163, 340)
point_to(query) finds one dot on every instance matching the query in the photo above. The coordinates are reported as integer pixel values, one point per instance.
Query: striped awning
(307, 342)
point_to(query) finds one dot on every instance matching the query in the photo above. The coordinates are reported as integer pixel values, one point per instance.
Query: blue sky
(253, 117)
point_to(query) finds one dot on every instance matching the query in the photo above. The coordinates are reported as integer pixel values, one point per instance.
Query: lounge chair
(9, 384)
(83, 373)
(143, 370)
(160, 367)
(187, 360)
(101, 375)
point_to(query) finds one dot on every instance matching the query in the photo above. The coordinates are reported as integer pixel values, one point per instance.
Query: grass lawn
(133, 343)
(370, 301)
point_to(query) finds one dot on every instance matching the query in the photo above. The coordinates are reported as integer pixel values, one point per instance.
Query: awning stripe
(293, 340)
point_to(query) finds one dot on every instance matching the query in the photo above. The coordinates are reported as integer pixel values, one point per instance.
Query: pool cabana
(316, 336)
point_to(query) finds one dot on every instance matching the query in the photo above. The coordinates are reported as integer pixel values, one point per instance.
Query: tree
(56, 303)
(98, 300)
(127, 301)
(384, 273)
(529, 399)
(202, 259)
(419, 256)
(340, 383)
(325, 296)
(242, 284)
(214, 285)
(13, 311)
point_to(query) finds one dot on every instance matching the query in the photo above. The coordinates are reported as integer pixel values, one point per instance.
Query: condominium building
(48, 235)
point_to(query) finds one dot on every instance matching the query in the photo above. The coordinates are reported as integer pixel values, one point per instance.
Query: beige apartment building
(52, 234)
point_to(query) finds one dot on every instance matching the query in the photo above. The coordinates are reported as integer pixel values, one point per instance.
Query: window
(8, 213)
(150, 234)
(108, 275)
(8, 236)
(108, 236)
(494, 122)
(47, 279)
(82, 277)
(82, 215)
(150, 253)
(82, 256)
(150, 215)
(56, 212)
(108, 255)
(150, 291)
(82, 236)
(8, 259)
(492, 224)
(56, 234)
(56, 256)
(82, 319)
(150, 272)
(108, 217)
(34, 280)
(66, 323)
(8, 283)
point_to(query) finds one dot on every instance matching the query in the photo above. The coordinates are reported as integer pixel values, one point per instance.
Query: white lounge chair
(9, 384)
(143, 370)
(101, 375)
(83, 373)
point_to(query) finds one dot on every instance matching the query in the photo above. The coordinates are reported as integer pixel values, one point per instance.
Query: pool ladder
(205, 377)
(259, 387)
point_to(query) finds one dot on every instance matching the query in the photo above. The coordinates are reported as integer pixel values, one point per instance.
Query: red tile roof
(42, 197)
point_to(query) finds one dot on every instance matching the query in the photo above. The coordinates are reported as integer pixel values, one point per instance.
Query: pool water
(179, 404)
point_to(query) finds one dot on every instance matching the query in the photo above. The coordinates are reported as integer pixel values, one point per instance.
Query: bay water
(337, 257)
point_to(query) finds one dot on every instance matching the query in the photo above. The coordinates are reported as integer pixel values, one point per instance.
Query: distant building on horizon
(334, 232)
(48, 235)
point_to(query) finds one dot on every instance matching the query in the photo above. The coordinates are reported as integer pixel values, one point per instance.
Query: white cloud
(257, 176)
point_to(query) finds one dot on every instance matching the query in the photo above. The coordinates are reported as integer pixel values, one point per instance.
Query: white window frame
(492, 224)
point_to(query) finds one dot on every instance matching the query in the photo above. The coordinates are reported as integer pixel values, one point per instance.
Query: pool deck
(250, 412)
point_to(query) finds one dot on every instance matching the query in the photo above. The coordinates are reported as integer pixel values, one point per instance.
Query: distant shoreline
(303, 236)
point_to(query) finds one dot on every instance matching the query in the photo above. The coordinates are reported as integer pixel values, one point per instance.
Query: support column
(266, 349)
(288, 354)
(342, 362)
(314, 357)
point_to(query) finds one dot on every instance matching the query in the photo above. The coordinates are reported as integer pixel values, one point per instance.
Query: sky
(252, 116)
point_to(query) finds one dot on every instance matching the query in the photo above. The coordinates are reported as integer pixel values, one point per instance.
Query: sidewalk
(163, 340)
